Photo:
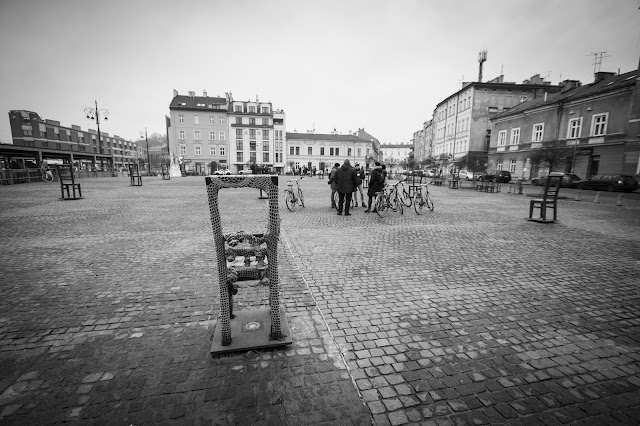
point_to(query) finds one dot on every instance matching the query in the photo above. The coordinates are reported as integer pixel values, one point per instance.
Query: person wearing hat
(347, 184)
(334, 184)
(376, 183)
(360, 177)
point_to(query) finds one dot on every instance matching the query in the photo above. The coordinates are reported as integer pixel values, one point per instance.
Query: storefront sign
(584, 151)
(536, 145)
(596, 140)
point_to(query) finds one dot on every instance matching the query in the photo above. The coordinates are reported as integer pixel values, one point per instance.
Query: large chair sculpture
(549, 200)
(241, 259)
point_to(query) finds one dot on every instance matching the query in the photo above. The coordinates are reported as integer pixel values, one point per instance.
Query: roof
(196, 102)
(603, 86)
(325, 137)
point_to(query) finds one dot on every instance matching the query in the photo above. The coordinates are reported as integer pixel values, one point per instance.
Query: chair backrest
(552, 185)
(133, 169)
(65, 173)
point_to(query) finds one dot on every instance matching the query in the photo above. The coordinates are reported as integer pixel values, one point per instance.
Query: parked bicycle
(422, 199)
(403, 194)
(388, 199)
(293, 198)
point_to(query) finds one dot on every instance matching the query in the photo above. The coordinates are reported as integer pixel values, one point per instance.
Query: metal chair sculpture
(165, 172)
(134, 174)
(68, 182)
(549, 200)
(241, 257)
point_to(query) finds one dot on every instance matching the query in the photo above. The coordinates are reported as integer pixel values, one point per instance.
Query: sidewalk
(467, 315)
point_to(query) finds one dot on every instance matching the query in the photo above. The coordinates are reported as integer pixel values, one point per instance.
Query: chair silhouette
(549, 200)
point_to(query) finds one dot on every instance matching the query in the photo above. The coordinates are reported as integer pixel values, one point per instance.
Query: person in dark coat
(334, 184)
(376, 183)
(347, 183)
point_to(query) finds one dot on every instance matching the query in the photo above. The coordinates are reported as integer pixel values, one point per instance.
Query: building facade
(44, 139)
(422, 142)
(395, 153)
(593, 122)
(461, 125)
(323, 150)
(212, 132)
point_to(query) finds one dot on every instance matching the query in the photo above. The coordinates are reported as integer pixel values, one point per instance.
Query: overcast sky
(373, 64)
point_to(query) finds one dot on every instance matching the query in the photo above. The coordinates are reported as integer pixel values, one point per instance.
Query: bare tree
(551, 154)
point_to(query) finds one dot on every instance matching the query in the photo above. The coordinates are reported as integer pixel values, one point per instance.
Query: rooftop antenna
(597, 60)
(548, 75)
(482, 57)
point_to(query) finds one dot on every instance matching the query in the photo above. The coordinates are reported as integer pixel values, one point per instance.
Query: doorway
(594, 165)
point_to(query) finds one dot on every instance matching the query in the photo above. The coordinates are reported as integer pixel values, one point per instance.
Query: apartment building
(395, 153)
(44, 139)
(213, 132)
(323, 150)
(422, 143)
(595, 122)
(461, 123)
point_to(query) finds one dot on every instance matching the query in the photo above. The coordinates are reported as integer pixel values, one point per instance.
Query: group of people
(347, 182)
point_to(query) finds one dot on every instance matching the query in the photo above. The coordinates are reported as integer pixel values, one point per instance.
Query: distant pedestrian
(376, 183)
(360, 175)
(347, 183)
(334, 184)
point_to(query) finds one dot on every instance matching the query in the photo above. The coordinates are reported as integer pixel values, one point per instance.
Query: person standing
(360, 175)
(376, 183)
(347, 183)
(334, 184)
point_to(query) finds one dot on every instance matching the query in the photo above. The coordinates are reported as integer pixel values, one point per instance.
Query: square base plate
(250, 330)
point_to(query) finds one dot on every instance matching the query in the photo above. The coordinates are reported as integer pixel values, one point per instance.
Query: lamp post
(148, 157)
(94, 114)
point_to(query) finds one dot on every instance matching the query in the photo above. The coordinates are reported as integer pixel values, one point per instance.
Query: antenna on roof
(597, 60)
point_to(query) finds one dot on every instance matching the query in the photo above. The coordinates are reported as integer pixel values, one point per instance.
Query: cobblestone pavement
(467, 315)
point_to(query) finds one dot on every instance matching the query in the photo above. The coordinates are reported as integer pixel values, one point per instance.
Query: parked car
(430, 173)
(222, 172)
(499, 176)
(465, 174)
(570, 180)
(610, 183)
(245, 172)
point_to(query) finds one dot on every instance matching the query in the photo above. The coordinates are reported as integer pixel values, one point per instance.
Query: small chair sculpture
(134, 174)
(165, 172)
(549, 200)
(68, 182)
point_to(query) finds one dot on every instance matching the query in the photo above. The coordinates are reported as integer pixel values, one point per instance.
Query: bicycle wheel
(400, 205)
(335, 199)
(418, 202)
(404, 197)
(289, 200)
(382, 207)
(47, 177)
(300, 197)
(429, 202)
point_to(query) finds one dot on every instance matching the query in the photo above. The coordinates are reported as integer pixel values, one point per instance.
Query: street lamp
(148, 158)
(94, 114)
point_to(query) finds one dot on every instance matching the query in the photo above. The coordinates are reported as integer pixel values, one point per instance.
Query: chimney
(175, 93)
(204, 93)
(568, 85)
(192, 94)
(601, 75)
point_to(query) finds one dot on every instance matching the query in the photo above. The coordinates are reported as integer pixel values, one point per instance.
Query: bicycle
(420, 200)
(388, 199)
(293, 198)
(48, 176)
(403, 195)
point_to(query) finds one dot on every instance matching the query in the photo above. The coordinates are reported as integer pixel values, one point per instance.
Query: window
(573, 131)
(238, 108)
(183, 150)
(265, 134)
(348, 152)
(252, 109)
(309, 150)
(196, 135)
(502, 137)
(198, 150)
(182, 135)
(265, 157)
(252, 133)
(265, 145)
(238, 133)
(499, 165)
(212, 151)
(252, 145)
(238, 120)
(512, 166)
(291, 150)
(265, 121)
(222, 151)
(239, 157)
(359, 151)
(222, 121)
(27, 132)
(180, 118)
(239, 146)
(599, 124)
(265, 110)
(212, 120)
(252, 157)
(221, 136)
(538, 132)
(515, 136)
(297, 150)
(196, 119)
(321, 151)
(212, 136)
(252, 121)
